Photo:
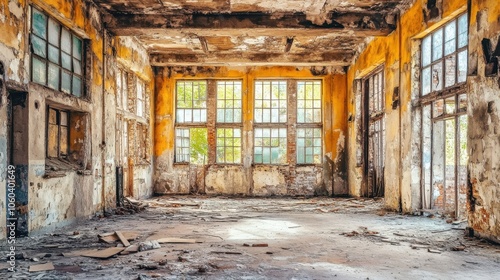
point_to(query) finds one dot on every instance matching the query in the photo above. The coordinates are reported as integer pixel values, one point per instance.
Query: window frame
(270, 124)
(310, 125)
(58, 112)
(442, 60)
(75, 73)
(189, 125)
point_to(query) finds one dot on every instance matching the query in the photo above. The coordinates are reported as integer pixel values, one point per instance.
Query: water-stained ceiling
(251, 32)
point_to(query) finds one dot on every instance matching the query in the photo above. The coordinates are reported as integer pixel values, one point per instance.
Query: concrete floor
(318, 238)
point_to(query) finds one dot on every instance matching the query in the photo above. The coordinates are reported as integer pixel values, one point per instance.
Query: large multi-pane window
(56, 55)
(444, 56)
(270, 113)
(287, 124)
(229, 120)
(191, 122)
(309, 122)
(444, 118)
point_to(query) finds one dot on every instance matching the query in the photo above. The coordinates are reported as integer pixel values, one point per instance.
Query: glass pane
(53, 54)
(450, 105)
(77, 86)
(63, 143)
(462, 102)
(39, 46)
(426, 51)
(438, 108)
(52, 116)
(39, 25)
(65, 40)
(63, 118)
(53, 76)
(39, 71)
(53, 141)
(77, 67)
(449, 37)
(77, 48)
(66, 61)
(66, 82)
(437, 45)
(426, 155)
(462, 66)
(437, 76)
(198, 145)
(450, 70)
(54, 29)
(426, 81)
(462, 31)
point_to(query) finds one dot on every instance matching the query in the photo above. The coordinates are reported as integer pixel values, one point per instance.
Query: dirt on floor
(196, 237)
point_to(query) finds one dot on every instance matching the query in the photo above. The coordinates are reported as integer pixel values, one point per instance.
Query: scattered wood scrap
(104, 254)
(122, 238)
(41, 267)
(176, 240)
(226, 252)
(256, 245)
(79, 253)
(111, 237)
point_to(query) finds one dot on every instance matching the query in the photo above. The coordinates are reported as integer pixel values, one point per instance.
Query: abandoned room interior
(324, 112)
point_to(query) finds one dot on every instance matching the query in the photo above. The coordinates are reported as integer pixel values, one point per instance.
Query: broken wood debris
(176, 240)
(226, 252)
(104, 254)
(111, 237)
(41, 267)
(256, 245)
(122, 238)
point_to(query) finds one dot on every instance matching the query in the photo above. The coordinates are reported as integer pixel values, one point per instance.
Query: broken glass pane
(437, 45)
(54, 28)
(438, 108)
(53, 140)
(39, 71)
(450, 105)
(462, 102)
(437, 77)
(39, 25)
(53, 76)
(450, 70)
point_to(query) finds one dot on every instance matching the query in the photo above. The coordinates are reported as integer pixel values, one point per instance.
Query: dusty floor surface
(317, 238)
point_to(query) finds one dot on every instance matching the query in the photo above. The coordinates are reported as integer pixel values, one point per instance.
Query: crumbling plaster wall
(134, 58)
(58, 196)
(484, 122)
(249, 179)
(14, 74)
(398, 52)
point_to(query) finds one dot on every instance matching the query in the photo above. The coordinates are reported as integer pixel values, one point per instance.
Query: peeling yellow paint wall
(397, 53)
(484, 123)
(54, 197)
(219, 179)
